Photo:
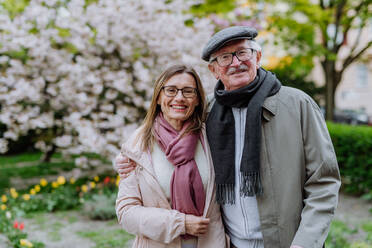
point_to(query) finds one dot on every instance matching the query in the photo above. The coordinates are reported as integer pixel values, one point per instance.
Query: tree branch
(357, 12)
(338, 16)
(322, 4)
(357, 38)
(352, 58)
(324, 31)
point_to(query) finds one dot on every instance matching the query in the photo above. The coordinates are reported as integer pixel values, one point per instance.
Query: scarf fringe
(225, 194)
(250, 184)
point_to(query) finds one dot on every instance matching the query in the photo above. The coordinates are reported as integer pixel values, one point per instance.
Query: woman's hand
(196, 225)
(124, 166)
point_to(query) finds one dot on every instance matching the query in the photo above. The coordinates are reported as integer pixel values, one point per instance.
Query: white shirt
(164, 170)
(241, 219)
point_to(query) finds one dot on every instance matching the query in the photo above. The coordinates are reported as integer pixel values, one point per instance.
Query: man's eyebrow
(238, 48)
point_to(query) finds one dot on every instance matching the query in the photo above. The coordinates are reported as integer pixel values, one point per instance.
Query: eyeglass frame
(232, 57)
(195, 90)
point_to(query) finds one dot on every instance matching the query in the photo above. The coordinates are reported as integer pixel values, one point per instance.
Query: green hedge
(353, 145)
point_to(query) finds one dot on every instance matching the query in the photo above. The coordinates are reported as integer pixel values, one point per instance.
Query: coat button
(140, 168)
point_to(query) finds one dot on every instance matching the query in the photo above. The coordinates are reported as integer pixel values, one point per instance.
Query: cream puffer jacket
(143, 209)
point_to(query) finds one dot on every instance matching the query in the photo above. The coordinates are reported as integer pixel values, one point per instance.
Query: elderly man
(276, 171)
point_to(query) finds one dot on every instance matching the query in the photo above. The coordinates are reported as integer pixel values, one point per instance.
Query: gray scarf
(221, 135)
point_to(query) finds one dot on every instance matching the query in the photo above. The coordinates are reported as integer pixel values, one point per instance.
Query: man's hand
(296, 246)
(196, 225)
(124, 166)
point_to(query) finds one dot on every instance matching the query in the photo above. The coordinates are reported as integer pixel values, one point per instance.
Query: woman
(169, 199)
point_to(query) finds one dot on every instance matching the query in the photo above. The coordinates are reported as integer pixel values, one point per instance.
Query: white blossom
(87, 72)
(3, 145)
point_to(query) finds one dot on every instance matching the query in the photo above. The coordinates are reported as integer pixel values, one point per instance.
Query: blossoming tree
(80, 76)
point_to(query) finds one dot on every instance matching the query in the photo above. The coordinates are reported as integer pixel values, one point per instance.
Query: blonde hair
(146, 136)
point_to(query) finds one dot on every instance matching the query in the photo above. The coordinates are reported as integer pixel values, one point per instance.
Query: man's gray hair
(254, 45)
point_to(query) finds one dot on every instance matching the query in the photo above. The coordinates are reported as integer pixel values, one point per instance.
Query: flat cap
(225, 35)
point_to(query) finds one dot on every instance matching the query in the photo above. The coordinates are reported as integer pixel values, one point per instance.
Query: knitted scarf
(187, 192)
(221, 135)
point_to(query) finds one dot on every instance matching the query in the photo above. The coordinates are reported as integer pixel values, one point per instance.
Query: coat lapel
(269, 107)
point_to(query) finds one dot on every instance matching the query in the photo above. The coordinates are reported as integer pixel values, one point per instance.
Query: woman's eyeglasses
(172, 91)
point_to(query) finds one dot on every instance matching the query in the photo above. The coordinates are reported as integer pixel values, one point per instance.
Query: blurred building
(355, 89)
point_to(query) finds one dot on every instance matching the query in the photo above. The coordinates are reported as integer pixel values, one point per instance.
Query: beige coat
(143, 209)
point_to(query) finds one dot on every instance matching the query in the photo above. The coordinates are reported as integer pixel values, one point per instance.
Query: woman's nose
(179, 95)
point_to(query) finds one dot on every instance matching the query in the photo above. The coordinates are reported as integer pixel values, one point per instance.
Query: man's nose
(235, 61)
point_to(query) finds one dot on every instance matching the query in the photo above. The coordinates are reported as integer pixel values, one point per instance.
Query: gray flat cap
(225, 35)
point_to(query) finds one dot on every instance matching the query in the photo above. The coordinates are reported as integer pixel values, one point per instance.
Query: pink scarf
(186, 186)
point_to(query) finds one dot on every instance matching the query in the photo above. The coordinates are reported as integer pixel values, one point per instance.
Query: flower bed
(61, 194)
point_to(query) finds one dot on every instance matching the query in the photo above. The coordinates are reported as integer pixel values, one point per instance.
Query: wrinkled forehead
(233, 45)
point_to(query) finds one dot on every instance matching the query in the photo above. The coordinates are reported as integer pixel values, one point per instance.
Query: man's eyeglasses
(172, 91)
(227, 58)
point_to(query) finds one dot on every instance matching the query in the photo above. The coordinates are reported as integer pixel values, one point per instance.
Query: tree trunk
(48, 155)
(330, 97)
(332, 79)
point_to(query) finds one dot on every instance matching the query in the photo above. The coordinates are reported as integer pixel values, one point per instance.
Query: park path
(59, 230)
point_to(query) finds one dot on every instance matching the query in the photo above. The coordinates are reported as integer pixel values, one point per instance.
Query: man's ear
(213, 70)
(258, 59)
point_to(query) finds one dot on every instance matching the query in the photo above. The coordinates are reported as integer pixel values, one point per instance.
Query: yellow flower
(96, 178)
(117, 181)
(32, 191)
(4, 198)
(55, 184)
(72, 180)
(26, 243)
(26, 197)
(84, 188)
(13, 193)
(92, 185)
(61, 180)
(3, 207)
(43, 182)
(37, 188)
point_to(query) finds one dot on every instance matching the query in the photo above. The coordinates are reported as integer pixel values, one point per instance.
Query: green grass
(69, 216)
(39, 219)
(340, 233)
(107, 238)
(113, 222)
(37, 170)
(24, 157)
(367, 227)
(7, 160)
(54, 233)
(29, 165)
(10, 166)
(15, 166)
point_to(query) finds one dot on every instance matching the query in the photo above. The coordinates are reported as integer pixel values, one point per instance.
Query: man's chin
(240, 81)
(238, 85)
